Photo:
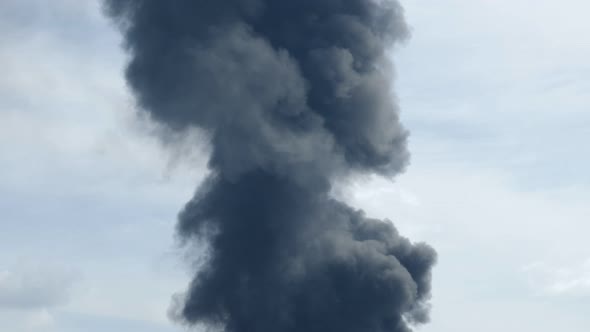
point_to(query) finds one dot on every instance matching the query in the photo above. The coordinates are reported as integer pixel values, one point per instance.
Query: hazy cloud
(34, 286)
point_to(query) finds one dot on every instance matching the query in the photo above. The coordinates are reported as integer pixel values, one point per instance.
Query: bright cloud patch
(34, 287)
(560, 279)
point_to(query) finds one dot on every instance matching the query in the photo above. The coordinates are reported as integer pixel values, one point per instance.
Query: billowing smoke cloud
(294, 96)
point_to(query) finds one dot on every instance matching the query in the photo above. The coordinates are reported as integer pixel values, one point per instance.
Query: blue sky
(494, 93)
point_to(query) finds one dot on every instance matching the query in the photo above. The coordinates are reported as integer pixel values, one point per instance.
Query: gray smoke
(294, 95)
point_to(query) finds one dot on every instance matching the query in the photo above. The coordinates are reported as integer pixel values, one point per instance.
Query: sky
(494, 93)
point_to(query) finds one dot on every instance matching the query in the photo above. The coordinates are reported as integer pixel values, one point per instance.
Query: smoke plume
(294, 95)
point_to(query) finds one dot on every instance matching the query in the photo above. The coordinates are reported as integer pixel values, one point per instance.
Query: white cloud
(500, 84)
(27, 321)
(39, 320)
(559, 279)
(31, 292)
(34, 286)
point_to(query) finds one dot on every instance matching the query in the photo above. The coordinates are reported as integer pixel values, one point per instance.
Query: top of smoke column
(297, 88)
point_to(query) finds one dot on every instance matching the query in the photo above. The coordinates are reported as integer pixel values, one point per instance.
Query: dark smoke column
(294, 95)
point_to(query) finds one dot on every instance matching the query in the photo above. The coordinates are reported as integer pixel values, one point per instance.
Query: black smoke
(294, 95)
